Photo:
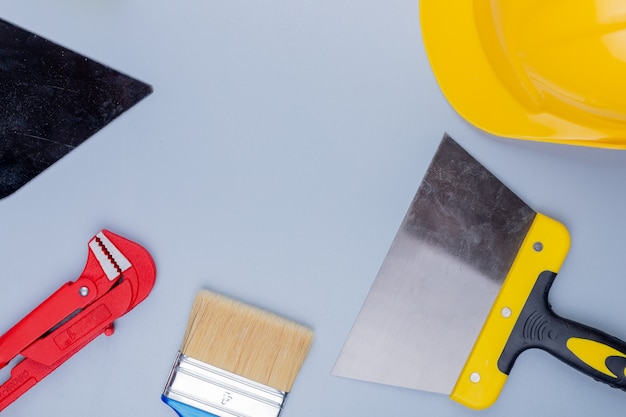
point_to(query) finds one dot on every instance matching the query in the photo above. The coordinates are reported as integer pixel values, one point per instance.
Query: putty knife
(463, 291)
(52, 100)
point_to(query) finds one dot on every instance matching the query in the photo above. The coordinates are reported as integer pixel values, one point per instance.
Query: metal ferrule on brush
(219, 392)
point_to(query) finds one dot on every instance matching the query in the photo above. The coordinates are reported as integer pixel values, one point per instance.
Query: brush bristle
(245, 340)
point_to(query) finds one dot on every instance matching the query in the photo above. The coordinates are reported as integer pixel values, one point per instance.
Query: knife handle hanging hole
(83, 291)
(506, 312)
(538, 246)
(475, 377)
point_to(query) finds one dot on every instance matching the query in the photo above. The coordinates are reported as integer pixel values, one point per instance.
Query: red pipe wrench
(119, 274)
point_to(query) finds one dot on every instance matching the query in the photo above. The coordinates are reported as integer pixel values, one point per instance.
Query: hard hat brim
(471, 86)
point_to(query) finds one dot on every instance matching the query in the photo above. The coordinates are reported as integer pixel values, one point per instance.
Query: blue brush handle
(184, 410)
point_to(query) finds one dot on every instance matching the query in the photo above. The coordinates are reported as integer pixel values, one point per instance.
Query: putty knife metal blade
(52, 100)
(439, 279)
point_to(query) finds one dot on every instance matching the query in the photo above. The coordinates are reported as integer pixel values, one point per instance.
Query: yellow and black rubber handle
(595, 353)
(521, 318)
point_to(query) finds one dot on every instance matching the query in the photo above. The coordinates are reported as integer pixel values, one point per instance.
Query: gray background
(274, 162)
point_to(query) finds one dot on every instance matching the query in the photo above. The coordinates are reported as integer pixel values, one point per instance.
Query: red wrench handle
(23, 376)
(27, 373)
(48, 314)
(49, 352)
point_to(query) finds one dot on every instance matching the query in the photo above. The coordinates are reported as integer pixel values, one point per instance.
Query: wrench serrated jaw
(111, 260)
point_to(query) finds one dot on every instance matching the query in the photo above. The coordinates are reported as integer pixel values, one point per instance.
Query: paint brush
(235, 360)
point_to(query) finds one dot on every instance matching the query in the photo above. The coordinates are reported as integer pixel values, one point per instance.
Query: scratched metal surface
(274, 162)
(53, 99)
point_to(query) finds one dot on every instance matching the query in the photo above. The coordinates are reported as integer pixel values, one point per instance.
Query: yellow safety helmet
(549, 70)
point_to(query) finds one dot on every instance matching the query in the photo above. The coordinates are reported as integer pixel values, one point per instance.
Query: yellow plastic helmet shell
(547, 70)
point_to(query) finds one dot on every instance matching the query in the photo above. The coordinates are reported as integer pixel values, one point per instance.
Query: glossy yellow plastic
(594, 354)
(480, 381)
(533, 69)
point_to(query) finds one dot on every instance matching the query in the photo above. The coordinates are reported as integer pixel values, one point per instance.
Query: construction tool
(531, 69)
(463, 291)
(236, 360)
(119, 274)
